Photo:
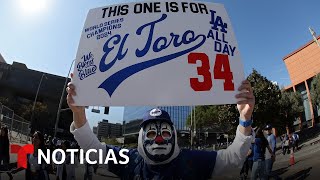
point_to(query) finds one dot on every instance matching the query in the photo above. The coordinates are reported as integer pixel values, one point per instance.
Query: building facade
(19, 85)
(133, 117)
(179, 115)
(2, 59)
(108, 130)
(303, 65)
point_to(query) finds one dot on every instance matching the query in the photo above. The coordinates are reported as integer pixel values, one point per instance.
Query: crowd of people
(289, 141)
(64, 171)
(261, 156)
(35, 171)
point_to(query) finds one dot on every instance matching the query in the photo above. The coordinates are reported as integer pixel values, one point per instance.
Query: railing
(18, 127)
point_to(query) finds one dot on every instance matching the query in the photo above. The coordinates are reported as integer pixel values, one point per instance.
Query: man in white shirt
(158, 155)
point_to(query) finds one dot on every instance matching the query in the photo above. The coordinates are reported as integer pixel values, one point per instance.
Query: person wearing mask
(36, 171)
(4, 151)
(158, 155)
(259, 150)
(272, 143)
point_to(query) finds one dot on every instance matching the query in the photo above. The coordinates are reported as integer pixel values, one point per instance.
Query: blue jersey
(188, 165)
(259, 149)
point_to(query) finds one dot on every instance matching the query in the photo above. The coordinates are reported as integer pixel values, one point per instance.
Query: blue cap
(156, 114)
(268, 126)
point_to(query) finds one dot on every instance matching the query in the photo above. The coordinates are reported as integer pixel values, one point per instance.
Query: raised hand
(79, 116)
(246, 104)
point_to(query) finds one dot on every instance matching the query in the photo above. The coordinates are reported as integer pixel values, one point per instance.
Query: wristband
(245, 123)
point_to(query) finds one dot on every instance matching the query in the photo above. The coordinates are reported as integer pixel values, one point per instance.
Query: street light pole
(61, 99)
(314, 36)
(35, 100)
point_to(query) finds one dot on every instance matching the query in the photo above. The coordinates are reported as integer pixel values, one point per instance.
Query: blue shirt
(273, 142)
(188, 165)
(250, 157)
(259, 149)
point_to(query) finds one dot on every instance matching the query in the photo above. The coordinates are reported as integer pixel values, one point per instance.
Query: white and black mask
(157, 142)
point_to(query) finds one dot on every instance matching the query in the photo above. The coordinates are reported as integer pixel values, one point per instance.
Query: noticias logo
(23, 151)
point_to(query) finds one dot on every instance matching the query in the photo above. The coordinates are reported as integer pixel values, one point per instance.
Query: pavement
(307, 163)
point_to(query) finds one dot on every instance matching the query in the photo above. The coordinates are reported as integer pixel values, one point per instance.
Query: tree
(205, 116)
(267, 95)
(315, 90)
(40, 109)
(224, 117)
(40, 115)
(4, 101)
(272, 106)
(228, 116)
(291, 107)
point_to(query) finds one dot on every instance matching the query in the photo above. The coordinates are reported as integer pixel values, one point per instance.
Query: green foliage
(131, 145)
(267, 96)
(111, 141)
(221, 116)
(315, 90)
(205, 116)
(40, 111)
(272, 106)
(4, 101)
(228, 116)
(291, 107)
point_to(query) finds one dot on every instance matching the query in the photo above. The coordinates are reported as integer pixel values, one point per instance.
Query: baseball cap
(268, 126)
(156, 114)
(59, 142)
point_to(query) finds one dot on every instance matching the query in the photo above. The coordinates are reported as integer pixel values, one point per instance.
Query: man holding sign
(161, 53)
(158, 155)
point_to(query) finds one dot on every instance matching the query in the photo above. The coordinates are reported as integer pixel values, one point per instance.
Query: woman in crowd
(259, 150)
(4, 150)
(34, 170)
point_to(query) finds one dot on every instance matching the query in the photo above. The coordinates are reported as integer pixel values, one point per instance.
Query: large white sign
(157, 53)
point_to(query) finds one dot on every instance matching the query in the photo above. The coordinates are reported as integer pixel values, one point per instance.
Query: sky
(44, 34)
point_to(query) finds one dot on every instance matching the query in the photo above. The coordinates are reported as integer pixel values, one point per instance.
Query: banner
(157, 53)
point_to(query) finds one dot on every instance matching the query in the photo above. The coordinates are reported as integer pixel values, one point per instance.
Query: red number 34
(221, 70)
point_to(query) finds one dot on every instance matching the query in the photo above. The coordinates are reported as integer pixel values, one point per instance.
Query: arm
(235, 155)
(274, 144)
(80, 127)
(87, 140)
(270, 150)
(249, 152)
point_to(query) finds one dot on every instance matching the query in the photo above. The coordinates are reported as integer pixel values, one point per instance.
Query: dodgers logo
(155, 112)
(156, 44)
(86, 68)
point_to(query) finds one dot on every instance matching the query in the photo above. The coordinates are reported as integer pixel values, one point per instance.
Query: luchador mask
(157, 138)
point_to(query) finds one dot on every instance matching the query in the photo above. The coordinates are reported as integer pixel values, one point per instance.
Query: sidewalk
(303, 147)
(307, 163)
